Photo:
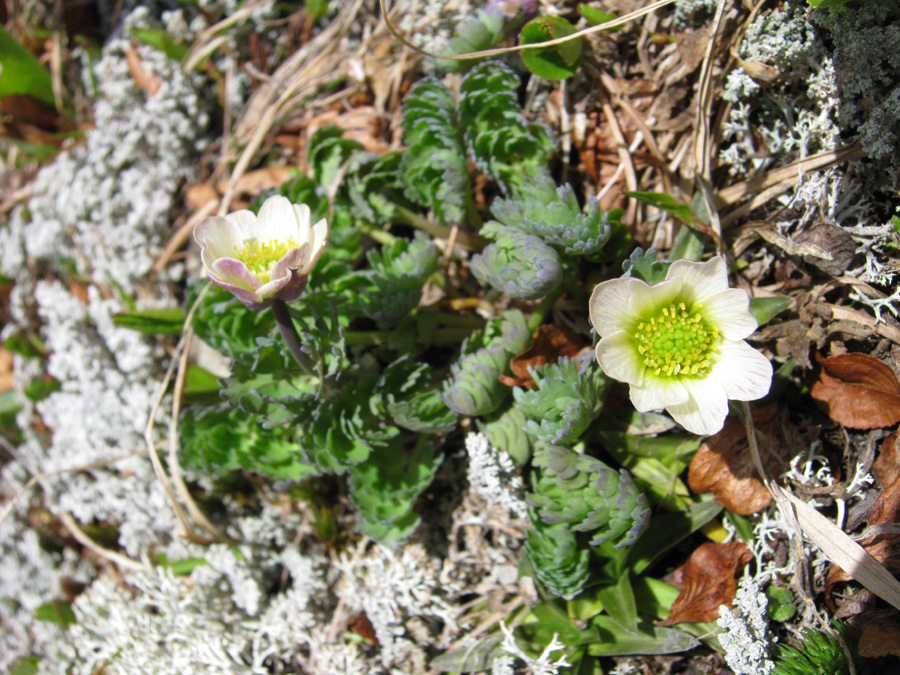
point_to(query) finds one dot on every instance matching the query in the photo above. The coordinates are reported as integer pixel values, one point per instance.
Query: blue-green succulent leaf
(518, 264)
(565, 401)
(553, 214)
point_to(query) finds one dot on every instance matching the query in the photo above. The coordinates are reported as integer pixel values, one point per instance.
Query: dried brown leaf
(857, 391)
(709, 580)
(723, 464)
(254, 182)
(143, 78)
(885, 548)
(880, 638)
(549, 343)
(886, 468)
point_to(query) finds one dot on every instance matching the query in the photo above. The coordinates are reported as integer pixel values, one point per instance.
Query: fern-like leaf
(502, 142)
(585, 495)
(434, 169)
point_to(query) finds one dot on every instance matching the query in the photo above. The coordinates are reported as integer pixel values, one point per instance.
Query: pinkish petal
(744, 373)
(619, 358)
(704, 414)
(295, 288)
(249, 298)
(658, 393)
(233, 272)
(701, 279)
(729, 311)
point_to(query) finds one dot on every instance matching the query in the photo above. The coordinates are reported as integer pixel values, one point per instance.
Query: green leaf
(558, 61)
(155, 321)
(688, 245)
(26, 665)
(618, 600)
(656, 462)
(666, 203)
(765, 309)
(653, 597)
(649, 639)
(9, 406)
(57, 612)
(477, 657)
(595, 16)
(161, 40)
(316, 9)
(666, 530)
(200, 382)
(781, 603)
(21, 73)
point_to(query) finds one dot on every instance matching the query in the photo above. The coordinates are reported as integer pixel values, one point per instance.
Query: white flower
(680, 343)
(262, 258)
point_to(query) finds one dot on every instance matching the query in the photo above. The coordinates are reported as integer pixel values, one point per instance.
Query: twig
(82, 538)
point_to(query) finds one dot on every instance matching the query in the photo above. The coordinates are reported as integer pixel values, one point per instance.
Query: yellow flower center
(260, 256)
(677, 342)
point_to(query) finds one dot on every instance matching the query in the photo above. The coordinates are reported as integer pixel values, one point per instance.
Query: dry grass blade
(186, 528)
(34, 480)
(174, 465)
(638, 13)
(82, 538)
(298, 77)
(779, 180)
(839, 547)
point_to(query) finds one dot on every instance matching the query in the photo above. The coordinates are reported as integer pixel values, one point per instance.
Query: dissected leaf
(709, 580)
(857, 391)
(723, 464)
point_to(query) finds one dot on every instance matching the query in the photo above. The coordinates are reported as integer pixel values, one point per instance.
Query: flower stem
(290, 336)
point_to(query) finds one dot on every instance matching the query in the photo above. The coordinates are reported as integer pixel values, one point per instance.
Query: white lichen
(745, 635)
(493, 475)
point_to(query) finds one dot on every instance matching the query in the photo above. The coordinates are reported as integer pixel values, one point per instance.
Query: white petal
(301, 213)
(277, 220)
(743, 373)
(646, 301)
(704, 413)
(610, 305)
(245, 224)
(658, 393)
(318, 237)
(729, 311)
(217, 237)
(701, 279)
(619, 359)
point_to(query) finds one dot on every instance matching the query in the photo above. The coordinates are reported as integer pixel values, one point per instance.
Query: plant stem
(290, 336)
(540, 312)
(438, 231)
